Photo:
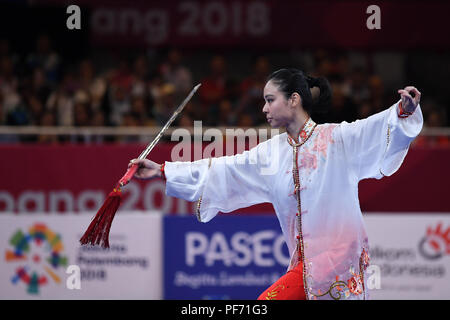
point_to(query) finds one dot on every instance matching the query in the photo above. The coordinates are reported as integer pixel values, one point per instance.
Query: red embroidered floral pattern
(365, 259)
(303, 135)
(355, 285)
(324, 139)
(305, 132)
(308, 160)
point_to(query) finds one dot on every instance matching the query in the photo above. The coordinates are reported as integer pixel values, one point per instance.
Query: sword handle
(128, 175)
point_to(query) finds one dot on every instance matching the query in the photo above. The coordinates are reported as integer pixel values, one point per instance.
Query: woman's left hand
(409, 104)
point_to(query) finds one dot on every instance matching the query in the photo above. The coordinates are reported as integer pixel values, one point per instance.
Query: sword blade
(180, 108)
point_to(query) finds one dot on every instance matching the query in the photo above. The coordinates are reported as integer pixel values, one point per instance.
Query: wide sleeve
(221, 184)
(376, 146)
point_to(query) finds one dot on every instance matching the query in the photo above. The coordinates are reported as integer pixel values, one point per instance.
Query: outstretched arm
(376, 146)
(224, 184)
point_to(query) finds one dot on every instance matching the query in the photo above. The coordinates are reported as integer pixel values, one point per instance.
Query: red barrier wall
(78, 178)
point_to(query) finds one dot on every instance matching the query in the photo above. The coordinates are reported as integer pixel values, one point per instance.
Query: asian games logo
(38, 255)
(436, 243)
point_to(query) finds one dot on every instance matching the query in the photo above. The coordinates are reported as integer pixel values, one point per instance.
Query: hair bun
(323, 103)
(312, 82)
(294, 80)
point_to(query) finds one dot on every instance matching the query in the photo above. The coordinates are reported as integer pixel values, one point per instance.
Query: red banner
(77, 179)
(269, 23)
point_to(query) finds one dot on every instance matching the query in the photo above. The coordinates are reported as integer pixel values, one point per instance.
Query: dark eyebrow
(268, 95)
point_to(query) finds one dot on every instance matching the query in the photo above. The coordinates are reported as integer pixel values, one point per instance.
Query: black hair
(293, 80)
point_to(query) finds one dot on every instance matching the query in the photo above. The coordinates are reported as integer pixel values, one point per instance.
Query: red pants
(288, 287)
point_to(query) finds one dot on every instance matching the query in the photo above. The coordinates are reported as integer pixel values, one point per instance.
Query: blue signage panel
(230, 257)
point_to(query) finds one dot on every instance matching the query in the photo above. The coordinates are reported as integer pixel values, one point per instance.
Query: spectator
(376, 94)
(227, 117)
(9, 83)
(61, 100)
(185, 120)
(129, 120)
(251, 92)
(98, 94)
(343, 108)
(39, 86)
(359, 90)
(119, 104)
(189, 114)
(18, 116)
(245, 121)
(81, 111)
(120, 82)
(129, 94)
(141, 77)
(174, 72)
(365, 110)
(5, 138)
(121, 76)
(47, 120)
(164, 96)
(98, 120)
(140, 111)
(213, 89)
(435, 117)
(35, 110)
(86, 74)
(45, 58)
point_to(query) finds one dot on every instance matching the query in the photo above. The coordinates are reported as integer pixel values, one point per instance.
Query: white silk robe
(331, 160)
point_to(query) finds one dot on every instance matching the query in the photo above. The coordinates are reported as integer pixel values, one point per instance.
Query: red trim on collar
(305, 132)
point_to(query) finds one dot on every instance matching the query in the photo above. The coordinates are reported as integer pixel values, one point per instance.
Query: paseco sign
(235, 257)
(262, 249)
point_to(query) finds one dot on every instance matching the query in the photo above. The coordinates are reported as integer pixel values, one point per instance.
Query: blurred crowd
(42, 89)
